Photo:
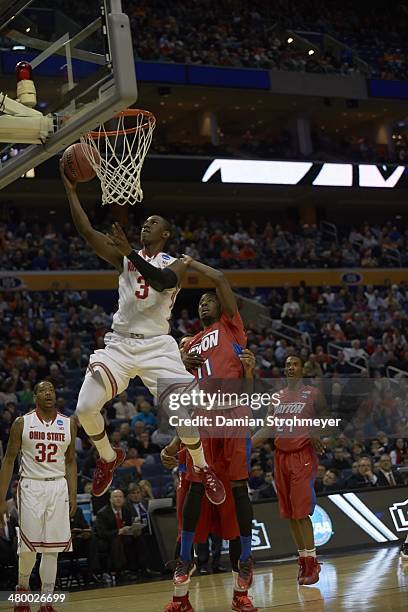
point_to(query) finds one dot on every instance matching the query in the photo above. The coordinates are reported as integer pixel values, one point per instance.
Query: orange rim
(129, 112)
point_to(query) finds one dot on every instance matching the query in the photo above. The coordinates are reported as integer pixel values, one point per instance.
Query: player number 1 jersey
(142, 309)
(43, 446)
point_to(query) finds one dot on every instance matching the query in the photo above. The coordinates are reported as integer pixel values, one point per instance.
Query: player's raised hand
(248, 361)
(69, 186)
(168, 461)
(119, 240)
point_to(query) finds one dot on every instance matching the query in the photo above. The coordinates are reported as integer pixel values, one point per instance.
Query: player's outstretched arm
(158, 278)
(224, 291)
(96, 240)
(71, 471)
(6, 471)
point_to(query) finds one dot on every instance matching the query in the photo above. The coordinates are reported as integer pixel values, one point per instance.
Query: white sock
(197, 455)
(303, 553)
(311, 553)
(236, 585)
(406, 540)
(182, 590)
(48, 572)
(26, 562)
(105, 449)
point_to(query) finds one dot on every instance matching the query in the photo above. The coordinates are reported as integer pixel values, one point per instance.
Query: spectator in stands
(267, 490)
(118, 540)
(163, 435)
(378, 359)
(123, 408)
(144, 445)
(85, 544)
(133, 460)
(375, 449)
(145, 415)
(330, 482)
(26, 395)
(256, 479)
(77, 360)
(386, 476)
(364, 477)
(136, 505)
(355, 354)
(342, 367)
(399, 451)
(339, 461)
(7, 393)
(356, 451)
(187, 326)
(55, 377)
(146, 490)
(125, 434)
(311, 368)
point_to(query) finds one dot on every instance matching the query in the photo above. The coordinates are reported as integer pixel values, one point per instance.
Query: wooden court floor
(359, 582)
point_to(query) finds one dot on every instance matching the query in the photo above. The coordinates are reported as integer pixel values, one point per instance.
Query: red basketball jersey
(220, 345)
(294, 402)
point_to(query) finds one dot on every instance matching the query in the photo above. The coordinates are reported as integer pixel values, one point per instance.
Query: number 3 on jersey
(43, 455)
(204, 370)
(143, 288)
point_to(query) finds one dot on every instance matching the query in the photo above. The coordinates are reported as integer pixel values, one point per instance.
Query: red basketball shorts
(227, 450)
(218, 520)
(295, 475)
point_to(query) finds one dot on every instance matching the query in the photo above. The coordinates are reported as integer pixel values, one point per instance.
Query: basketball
(76, 166)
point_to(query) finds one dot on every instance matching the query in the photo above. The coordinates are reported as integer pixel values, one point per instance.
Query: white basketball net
(121, 151)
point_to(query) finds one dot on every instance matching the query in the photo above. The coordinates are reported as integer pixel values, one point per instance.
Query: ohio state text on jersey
(43, 446)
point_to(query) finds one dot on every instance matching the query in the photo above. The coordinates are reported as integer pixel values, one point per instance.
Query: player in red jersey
(211, 521)
(219, 352)
(296, 466)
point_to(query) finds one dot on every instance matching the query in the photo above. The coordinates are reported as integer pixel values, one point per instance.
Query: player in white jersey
(47, 488)
(139, 344)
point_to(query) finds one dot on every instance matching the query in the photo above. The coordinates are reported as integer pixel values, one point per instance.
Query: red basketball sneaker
(242, 603)
(312, 570)
(302, 569)
(103, 474)
(179, 604)
(23, 606)
(183, 571)
(245, 573)
(214, 489)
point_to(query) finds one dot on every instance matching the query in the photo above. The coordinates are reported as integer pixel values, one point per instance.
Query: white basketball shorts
(156, 360)
(43, 508)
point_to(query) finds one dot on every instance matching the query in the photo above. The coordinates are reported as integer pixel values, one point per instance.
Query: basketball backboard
(82, 66)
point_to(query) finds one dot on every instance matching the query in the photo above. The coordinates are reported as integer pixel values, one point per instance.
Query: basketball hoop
(122, 151)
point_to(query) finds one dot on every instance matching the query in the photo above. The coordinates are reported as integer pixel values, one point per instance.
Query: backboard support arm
(118, 97)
